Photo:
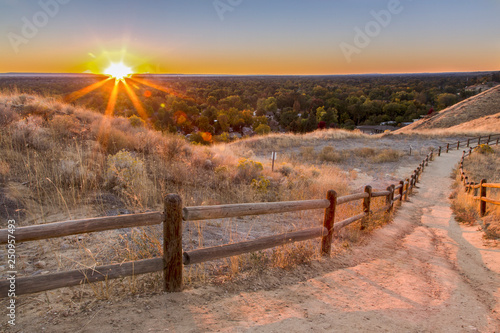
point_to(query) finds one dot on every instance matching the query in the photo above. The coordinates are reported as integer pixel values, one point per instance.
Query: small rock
(40, 264)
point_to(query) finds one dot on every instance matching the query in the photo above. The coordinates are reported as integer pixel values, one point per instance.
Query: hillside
(480, 113)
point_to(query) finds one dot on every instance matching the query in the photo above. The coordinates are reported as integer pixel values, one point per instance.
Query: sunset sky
(250, 36)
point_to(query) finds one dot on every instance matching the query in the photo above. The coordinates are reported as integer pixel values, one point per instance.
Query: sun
(118, 70)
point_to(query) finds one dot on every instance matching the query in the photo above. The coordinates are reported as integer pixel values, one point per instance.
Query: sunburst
(121, 73)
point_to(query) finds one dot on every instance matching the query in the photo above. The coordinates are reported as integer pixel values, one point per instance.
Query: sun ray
(158, 87)
(135, 100)
(84, 91)
(110, 108)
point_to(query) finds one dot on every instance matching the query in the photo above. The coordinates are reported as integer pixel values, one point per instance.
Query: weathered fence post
(401, 190)
(482, 194)
(498, 140)
(427, 160)
(479, 141)
(328, 222)
(407, 188)
(468, 143)
(439, 151)
(366, 207)
(389, 198)
(489, 139)
(172, 243)
(458, 145)
(447, 147)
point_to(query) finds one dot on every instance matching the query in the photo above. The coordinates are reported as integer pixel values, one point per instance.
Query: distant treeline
(201, 105)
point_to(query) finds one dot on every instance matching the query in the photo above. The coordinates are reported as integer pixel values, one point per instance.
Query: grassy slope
(480, 114)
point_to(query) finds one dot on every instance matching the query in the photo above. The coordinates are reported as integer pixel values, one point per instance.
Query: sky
(273, 37)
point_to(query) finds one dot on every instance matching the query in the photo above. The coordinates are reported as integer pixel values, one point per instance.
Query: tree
(262, 129)
(445, 100)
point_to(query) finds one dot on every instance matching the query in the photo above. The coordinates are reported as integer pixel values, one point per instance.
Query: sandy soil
(421, 273)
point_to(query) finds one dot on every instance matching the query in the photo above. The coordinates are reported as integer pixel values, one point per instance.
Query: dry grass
(484, 163)
(277, 142)
(60, 162)
(476, 115)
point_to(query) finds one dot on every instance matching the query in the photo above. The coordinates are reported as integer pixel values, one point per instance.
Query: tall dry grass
(67, 162)
(484, 163)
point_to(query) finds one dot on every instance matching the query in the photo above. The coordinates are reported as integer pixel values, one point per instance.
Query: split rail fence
(172, 218)
(477, 190)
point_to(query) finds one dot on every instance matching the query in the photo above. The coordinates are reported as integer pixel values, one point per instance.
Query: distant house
(376, 129)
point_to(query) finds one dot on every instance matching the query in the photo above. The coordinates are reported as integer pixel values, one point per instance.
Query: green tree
(262, 129)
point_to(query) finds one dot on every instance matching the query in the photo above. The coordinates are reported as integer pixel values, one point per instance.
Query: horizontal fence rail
(68, 228)
(229, 250)
(174, 214)
(38, 283)
(236, 210)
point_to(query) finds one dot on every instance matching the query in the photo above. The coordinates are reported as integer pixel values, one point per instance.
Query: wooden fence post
(468, 143)
(482, 194)
(447, 147)
(498, 140)
(401, 190)
(366, 207)
(328, 222)
(466, 181)
(172, 243)
(489, 139)
(407, 188)
(389, 198)
(439, 151)
(458, 145)
(427, 160)
(479, 141)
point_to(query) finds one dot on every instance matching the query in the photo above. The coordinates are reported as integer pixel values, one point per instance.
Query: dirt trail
(418, 274)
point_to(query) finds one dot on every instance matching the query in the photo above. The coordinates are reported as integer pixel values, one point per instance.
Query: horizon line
(284, 75)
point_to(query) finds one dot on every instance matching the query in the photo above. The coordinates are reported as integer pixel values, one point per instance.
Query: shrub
(248, 170)
(307, 153)
(328, 154)
(286, 170)
(385, 156)
(136, 121)
(261, 185)
(484, 149)
(65, 126)
(7, 115)
(112, 140)
(126, 176)
(29, 133)
(364, 152)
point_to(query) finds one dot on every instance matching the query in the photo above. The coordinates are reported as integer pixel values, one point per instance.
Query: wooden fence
(172, 217)
(472, 187)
